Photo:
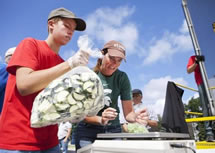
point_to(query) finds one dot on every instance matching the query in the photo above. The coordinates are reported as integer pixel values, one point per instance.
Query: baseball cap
(62, 12)
(136, 91)
(115, 48)
(9, 52)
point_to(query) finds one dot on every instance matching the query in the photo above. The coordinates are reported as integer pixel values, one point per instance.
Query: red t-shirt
(197, 73)
(15, 130)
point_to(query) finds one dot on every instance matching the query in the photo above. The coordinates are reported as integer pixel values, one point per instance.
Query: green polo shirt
(114, 86)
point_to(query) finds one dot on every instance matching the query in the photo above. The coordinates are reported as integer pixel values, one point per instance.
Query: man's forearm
(191, 68)
(131, 117)
(29, 81)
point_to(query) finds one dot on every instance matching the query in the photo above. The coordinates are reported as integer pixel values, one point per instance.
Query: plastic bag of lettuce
(71, 97)
(137, 128)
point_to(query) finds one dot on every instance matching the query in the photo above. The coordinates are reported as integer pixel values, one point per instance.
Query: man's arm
(191, 68)
(29, 81)
(97, 120)
(68, 134)
(140, 116)
(128, 111)
(107, 115)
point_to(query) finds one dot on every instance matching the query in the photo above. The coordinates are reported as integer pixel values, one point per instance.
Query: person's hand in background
(142, 116)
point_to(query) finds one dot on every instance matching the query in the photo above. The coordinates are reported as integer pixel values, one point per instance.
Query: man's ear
(50, 25)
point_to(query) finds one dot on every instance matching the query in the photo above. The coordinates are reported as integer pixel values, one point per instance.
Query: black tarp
(173, 119)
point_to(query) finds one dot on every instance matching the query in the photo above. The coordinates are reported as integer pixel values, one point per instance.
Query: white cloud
(169, 44)
(180, 42)
(160, 50)
(154, 92)
(113, 23)
(196, 95)
(184, 29)
(107, 24)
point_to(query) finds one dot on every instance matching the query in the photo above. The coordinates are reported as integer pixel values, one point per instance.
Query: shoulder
(191, 61)
(192, 57)
(123, 80)
(68, 124)
(29, 39)
(120, 73)
(120, 77)
(25, 55)
(31, 42)
(26, 43)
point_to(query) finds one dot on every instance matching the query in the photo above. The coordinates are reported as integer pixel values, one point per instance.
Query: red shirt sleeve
(191, 61)
(25, 55)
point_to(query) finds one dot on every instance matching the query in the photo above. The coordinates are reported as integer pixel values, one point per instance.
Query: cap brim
(81, 25)
(114, 52)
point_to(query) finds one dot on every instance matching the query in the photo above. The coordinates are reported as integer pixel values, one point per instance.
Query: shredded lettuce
(137, 128)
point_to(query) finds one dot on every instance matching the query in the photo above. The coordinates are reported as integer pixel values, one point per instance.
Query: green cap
(62, 12)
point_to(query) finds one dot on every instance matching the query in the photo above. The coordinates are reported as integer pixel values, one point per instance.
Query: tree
(194, 105)
(159, 121)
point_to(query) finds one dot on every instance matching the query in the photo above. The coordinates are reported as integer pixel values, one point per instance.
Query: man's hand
(108, 114)
(79, 59)
(196, 61)
(64, 140)
(142, 116)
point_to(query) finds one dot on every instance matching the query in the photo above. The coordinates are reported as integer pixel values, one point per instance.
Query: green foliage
(194, 105)
(201, 129)
(159, 122)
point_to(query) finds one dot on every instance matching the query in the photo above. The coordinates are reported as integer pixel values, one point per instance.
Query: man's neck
(54, 46)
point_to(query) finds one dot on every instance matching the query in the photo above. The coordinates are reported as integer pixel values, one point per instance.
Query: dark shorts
(87, 133)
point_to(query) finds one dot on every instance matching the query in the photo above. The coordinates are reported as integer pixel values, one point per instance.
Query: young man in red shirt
(33, 66)
(193, 66)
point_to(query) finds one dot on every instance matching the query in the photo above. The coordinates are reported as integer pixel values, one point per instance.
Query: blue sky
(154, 32)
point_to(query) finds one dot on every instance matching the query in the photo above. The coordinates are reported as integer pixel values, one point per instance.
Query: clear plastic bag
(71, 97)
(86, 44)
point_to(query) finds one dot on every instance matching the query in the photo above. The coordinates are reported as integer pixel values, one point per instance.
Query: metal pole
(198, 52)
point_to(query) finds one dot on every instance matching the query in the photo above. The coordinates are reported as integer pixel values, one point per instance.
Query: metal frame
(152, 135)
(198, 52)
